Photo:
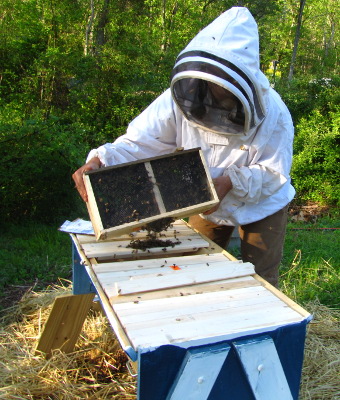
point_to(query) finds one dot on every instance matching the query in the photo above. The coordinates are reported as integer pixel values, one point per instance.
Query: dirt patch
(11, 296)
(309, 212)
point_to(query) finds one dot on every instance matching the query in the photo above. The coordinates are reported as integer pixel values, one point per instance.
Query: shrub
(315, 170)
(38, 158)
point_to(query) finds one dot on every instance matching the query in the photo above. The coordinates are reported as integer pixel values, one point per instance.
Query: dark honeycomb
(123, 194)
(182, 180)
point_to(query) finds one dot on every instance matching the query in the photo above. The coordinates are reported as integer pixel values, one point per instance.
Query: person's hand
(222, 186)
(93, 164)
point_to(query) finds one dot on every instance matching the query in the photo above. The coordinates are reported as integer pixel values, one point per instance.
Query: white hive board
(239, 311)
(185, 240)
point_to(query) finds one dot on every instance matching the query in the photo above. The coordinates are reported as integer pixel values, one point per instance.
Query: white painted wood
(263, 369)
(109, 278)
(238, 319)
(141, 314)
(193, 332)
(186, 277)
(119, 250)
(198, 373)
(152, 263)
(225, 284)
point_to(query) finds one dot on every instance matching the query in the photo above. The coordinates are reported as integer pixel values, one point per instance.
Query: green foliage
(304, 95)
(73, 77)
(316, 161)
(38, 158)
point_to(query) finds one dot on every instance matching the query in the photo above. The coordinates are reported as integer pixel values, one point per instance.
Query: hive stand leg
(263, 368)
(198, 373)
(65, 322)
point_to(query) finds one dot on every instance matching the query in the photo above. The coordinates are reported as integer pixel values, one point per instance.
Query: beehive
(127, 196)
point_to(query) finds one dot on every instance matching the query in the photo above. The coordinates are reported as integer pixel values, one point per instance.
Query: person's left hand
(222, 186)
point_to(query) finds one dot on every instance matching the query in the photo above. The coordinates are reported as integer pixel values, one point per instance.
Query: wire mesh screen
(182, 180)
(123, 194)
(147, 189)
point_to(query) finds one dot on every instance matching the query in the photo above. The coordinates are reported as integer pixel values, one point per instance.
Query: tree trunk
(296, 40)
(89, 31)
(103, 20)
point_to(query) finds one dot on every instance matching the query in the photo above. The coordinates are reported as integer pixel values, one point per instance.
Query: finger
(79, 184)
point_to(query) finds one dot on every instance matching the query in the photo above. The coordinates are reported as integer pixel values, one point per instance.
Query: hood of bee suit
(216, 81)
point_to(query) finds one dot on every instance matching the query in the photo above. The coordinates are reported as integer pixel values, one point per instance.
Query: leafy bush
(38, 158)
(316, 159)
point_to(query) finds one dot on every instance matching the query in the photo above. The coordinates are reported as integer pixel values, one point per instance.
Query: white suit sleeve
(150, 134)
(269, 163)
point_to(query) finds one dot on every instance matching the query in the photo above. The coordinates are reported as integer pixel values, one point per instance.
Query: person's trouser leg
(220, 234)
(262, 244)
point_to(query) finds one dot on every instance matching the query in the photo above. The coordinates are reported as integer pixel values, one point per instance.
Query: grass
(32, 254)
(311, 262)
(36, 255)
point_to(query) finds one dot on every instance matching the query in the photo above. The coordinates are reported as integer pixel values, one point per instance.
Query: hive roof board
(127, 196)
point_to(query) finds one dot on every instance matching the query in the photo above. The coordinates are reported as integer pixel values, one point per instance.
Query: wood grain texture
(195, 274)
(64, 324)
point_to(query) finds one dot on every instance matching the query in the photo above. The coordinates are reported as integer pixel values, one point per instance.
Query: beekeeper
(220, 101)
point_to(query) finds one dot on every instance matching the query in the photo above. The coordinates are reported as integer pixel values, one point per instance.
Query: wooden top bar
(193, 292)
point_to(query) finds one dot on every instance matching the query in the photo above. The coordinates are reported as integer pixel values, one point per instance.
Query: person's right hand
(93, 164)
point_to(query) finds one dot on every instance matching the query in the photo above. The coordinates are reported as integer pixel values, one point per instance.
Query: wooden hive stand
(196, 323)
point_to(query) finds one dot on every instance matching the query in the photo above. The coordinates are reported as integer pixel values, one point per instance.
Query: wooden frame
(156, 195)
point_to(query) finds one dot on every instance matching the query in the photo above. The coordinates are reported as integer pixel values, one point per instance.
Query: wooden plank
(159, 263)
(92, 208)
(182, 278)
(262, 366)
(181, 213)
(176, 231)
(226, 284)
(289, 302)
(219, 323)
(112, 317)
(120, 274)
(64, 324)
(198, 373)
(144, 311)
(112, 250)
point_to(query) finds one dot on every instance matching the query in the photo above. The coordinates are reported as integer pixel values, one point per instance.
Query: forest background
(74, 73)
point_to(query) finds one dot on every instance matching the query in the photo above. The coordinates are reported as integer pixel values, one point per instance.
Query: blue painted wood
(263, 368)
(198, 373)
(158, 368)
(82, 283)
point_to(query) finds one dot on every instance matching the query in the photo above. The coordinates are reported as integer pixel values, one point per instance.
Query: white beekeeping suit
(220, 101)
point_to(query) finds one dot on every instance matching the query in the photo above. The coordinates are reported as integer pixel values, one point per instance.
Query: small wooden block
(65, 322)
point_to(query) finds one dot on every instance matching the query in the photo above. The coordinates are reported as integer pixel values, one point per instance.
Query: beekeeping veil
(216, 81)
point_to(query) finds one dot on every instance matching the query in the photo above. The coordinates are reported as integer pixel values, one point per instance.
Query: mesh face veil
(215, 94)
